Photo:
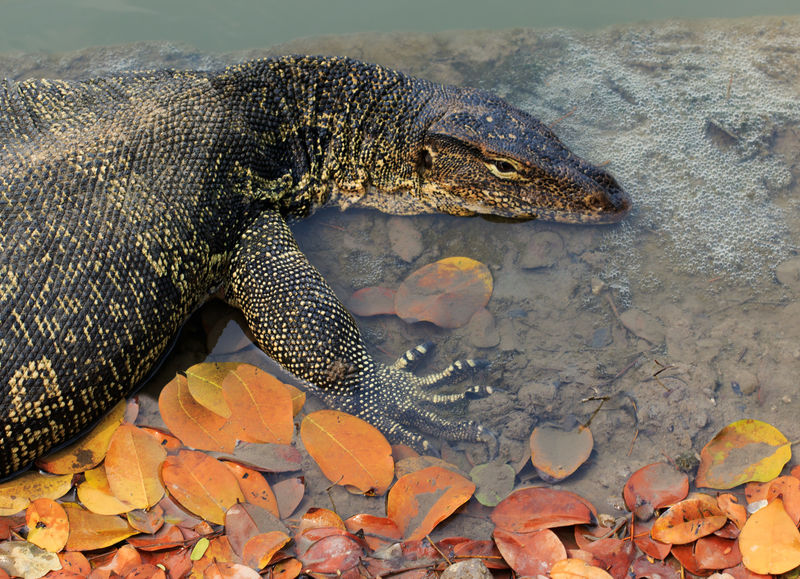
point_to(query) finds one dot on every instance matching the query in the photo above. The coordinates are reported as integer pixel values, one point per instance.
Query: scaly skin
(126, 200)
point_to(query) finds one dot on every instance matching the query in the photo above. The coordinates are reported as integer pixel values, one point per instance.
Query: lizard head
(484, 157)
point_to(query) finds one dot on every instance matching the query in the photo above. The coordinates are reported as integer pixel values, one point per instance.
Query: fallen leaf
(259, 550)
(332, 554)
(647, 544)
(713, 552)
(90, 531)
(493, 482)
(686, 521)
(372, 301)
(787, 488)
(745, 450)
(288, 493)
(733, 510)
(204, 382)
(149, 521)
(17, 494)
(95, 494)
(89, 450)
(287, 569)
(254, 487)
(653, 487)
(421, 500)
(531, 553)
(447, 292)
(769, 541)
(244, 521)
(558, 450)
(47, 523)
(119, 563)
(133, 463)
(350, 451)
(167, 537)
(193, 423)
(24, 559)
(74, 562)
(221, 570)
(201, 484)
(577, 569)
(263, 405)
(378, 532)
(535, 508)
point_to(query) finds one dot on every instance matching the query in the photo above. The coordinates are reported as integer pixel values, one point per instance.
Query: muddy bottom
(679, 320)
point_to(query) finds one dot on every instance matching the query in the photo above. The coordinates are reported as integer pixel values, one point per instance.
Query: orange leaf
(74, 562)
(89, 531)
(534, 508)
(372, 301)
(787, 488)
(745, 450)
(348, 450)
(558, 450)
(447, 292)
(95, 494)
(219, 549)
(221, 570)
(89, 450)
(194, 424)
(288, 569)
(654, 486)
(167, 537)
(688, 520)
(167, 441)
(259, 550)
(254, 487)
(421, 500)
(647, 544)
(769, 541)
(47, 523)
(530, 553)
(17, 494)
(132, 466)
(263, 405)
(201, 484)
(733, 510)
(120, 563)
(148, 521)
(576, 569)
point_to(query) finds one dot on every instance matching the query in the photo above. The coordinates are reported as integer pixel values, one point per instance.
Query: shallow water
(700, 123)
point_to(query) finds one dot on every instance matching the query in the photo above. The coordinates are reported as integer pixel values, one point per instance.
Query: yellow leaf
(95, 494)
(133, 463)
(263, 405)
(17, 494)
(89, 531)
(745, 450)
(205, 384)
(769, 541)
(576, 569)
(89, 450)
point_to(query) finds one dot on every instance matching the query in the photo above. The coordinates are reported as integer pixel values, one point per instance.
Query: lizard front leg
(297, 320)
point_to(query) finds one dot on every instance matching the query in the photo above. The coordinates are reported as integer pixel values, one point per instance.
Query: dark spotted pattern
(126, 200)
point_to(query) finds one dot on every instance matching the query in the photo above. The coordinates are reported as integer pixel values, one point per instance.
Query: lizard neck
(327, 130)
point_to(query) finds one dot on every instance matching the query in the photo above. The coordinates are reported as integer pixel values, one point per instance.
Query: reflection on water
(700, 123)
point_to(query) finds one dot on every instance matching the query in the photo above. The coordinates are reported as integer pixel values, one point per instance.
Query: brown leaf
(531, 553)
(350, 451)
(259, 550)
(263, 405)
(534, 508)
(557, 451)
(653, 487)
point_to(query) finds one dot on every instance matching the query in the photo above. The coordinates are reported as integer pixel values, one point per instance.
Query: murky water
(699, 121)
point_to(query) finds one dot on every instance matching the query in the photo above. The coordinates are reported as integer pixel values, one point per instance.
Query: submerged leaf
(745, 450)
(447, 292)
(372, 301)
(17, 494)
(688, 520)
(557, 451)
(653, 487)
(534, 508)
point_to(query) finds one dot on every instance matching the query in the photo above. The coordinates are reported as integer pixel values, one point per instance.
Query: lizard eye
(503, 168)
